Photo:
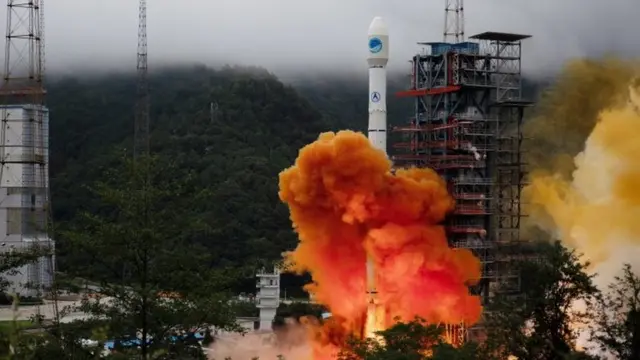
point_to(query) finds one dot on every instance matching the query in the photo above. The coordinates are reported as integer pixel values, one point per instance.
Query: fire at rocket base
(377, 60)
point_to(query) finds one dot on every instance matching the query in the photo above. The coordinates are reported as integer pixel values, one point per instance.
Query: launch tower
(268, 297)
(24, 148)
(467, 126)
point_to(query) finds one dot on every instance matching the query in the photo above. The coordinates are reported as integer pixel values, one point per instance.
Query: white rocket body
(377, 61)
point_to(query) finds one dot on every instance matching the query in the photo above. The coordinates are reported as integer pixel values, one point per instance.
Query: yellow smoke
(568, 111)
(585, 150)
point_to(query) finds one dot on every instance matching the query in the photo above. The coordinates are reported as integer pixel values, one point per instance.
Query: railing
(467, 230)
(471, 181)
(471, 210)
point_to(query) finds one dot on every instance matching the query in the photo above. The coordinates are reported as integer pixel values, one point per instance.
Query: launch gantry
(24, 149)
(467, 126)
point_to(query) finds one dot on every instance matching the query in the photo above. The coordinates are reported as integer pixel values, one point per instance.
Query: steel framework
(141, 128)
(24, 145)
(453, 20)
(468, 114)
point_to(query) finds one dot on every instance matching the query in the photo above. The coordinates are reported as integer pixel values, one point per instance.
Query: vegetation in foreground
(220, 137)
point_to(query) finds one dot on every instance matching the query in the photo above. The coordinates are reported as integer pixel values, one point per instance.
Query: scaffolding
(467, 126)
(24, 150)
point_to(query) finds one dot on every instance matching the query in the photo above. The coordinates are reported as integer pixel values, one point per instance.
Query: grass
(5, 326)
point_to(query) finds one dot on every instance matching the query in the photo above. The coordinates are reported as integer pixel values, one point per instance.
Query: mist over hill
(343, 99)
(236, 151)
(255, 130)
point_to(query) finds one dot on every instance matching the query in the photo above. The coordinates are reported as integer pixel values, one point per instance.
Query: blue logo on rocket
(375, 45)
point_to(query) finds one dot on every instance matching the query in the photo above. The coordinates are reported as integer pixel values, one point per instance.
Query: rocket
(377, 61)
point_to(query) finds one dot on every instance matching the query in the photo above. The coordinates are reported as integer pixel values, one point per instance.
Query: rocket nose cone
(378, 27)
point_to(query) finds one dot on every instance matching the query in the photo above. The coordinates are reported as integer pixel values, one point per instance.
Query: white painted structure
(268, 297)
(377, 61)
(24, 192)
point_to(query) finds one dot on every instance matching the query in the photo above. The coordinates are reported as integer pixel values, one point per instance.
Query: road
(47, 310)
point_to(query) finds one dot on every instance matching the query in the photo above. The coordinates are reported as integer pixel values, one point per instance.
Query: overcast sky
(287, 34)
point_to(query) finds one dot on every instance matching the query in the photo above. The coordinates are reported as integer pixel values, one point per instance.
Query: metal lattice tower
(453, 21)
(141, 132)
(467, 126)
(24, 149)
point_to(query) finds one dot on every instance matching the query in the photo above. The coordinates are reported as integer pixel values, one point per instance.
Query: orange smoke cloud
(345, 203)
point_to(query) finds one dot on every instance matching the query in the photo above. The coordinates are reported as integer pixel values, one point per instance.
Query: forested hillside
(236, 151)
(343, 100)
(255, 130)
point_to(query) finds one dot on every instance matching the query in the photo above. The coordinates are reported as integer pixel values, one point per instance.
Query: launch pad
(468, 112)
(469, 108)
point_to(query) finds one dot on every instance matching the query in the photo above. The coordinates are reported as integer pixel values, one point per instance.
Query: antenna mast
(453, 21)
(141, 132)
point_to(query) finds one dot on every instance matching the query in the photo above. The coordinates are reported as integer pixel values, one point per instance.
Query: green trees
(296, 310)
(541, 322)
(214, 205)
(155, 285)
(234, 152)
(408, 341)
(616, 327)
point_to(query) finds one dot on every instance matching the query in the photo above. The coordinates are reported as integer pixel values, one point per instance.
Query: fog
(292, 35)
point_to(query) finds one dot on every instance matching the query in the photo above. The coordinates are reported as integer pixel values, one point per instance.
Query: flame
(346, 205)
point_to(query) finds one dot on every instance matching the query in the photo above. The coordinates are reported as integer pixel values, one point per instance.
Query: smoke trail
(567, 113)
(580, 146)
(345, 203)
(289, 341)
(592, 203)
(602, 203)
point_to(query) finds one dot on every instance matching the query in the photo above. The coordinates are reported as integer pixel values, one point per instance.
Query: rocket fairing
(377, 61)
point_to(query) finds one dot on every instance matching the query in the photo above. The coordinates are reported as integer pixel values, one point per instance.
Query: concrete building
(24, 193)
(268, 296)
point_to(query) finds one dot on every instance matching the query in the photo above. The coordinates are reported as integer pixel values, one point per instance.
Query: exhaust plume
(289, 342)
(583, 148)
(591, 203)
(345, 203)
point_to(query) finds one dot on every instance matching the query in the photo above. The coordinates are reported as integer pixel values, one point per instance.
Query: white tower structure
(377, 60)
(24, 184)
(24, 143)
(268, 297)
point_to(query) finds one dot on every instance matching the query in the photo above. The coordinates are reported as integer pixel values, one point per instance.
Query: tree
(616, 326)
(235, 156)
(541, 322)
(296, 310)
(11, 262)
(208, 338)
(413, 340)
(166, 287)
